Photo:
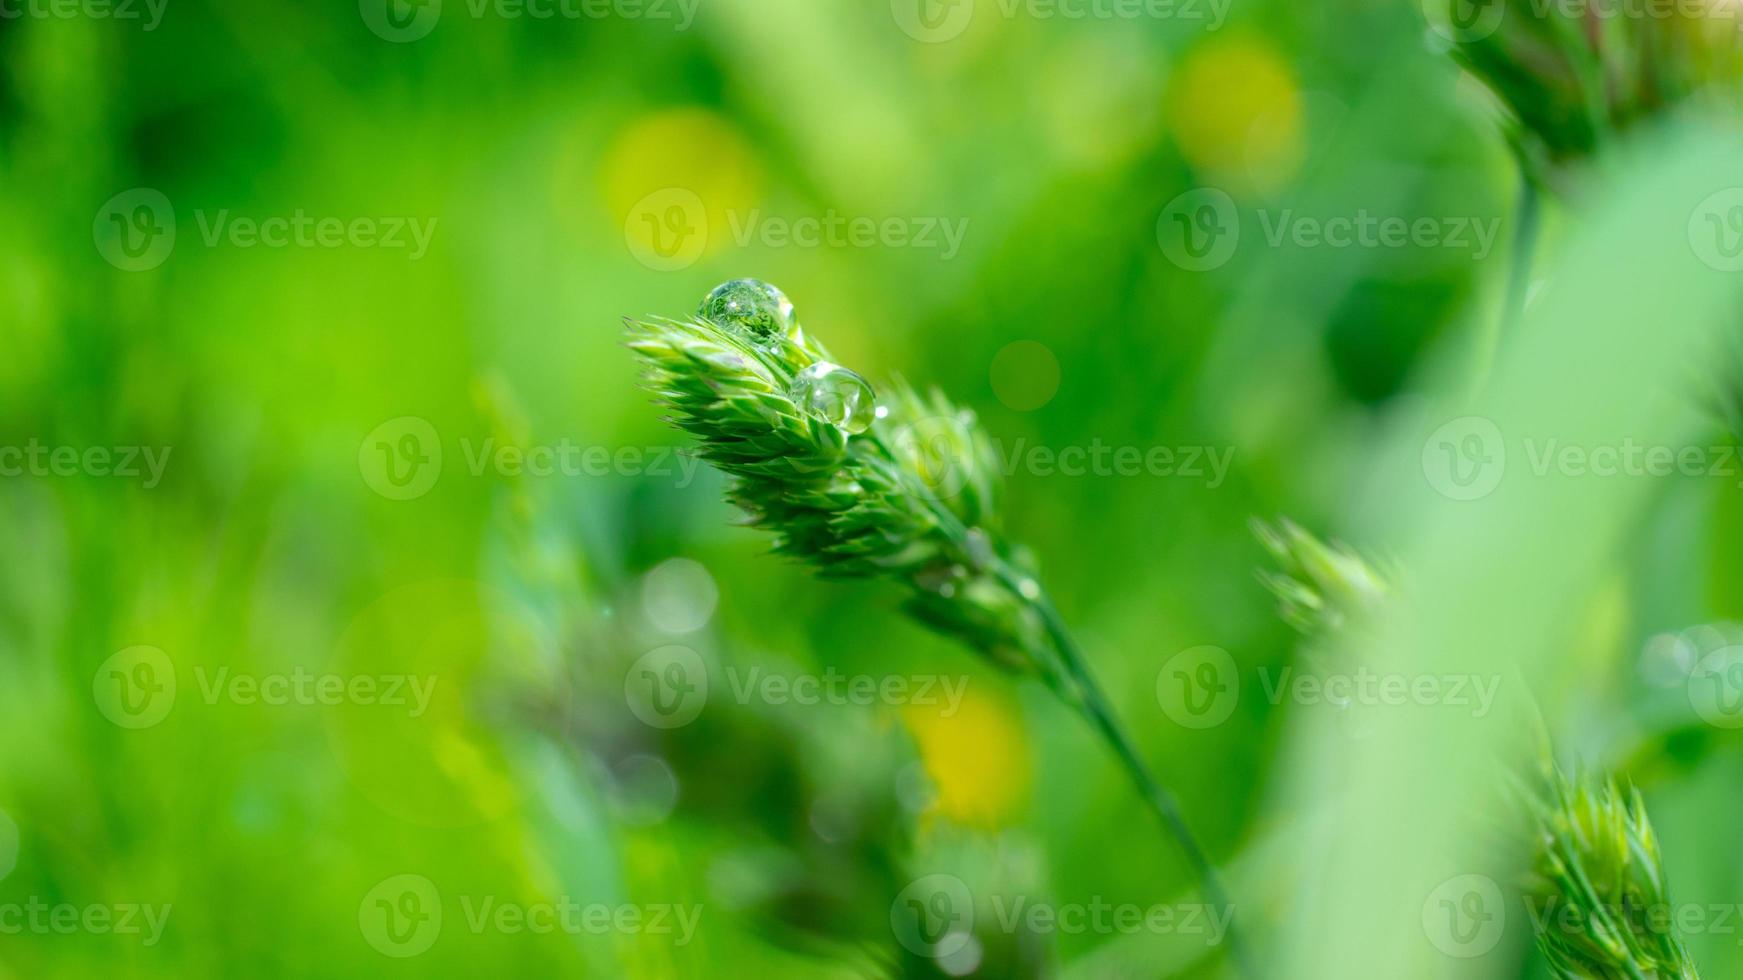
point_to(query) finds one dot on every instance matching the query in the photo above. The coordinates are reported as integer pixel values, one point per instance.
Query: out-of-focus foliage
(325, 303)
(1574, 76)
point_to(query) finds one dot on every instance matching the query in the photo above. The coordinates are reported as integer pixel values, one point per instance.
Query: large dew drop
(835, 395)
(750, 305)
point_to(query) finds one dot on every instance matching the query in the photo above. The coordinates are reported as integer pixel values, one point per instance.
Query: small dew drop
(679, 596)
(835, 395)
(965, 953)
(941, 579)
(1355, 721)
(842, 485)
(751, 306)
(1667, 660)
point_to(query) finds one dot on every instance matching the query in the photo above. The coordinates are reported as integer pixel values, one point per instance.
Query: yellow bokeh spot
(1235, 111)
(678, 181)
(1603, 630)
(976, 758)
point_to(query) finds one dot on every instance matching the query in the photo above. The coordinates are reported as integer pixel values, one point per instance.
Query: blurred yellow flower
(976, 757)
(677, 179)
(1235, 111)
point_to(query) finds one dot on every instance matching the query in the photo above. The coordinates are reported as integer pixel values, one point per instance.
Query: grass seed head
(891, 484)
(1599, 882)
(1320, 587)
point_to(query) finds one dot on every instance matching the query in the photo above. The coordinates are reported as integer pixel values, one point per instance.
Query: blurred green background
(332, 399)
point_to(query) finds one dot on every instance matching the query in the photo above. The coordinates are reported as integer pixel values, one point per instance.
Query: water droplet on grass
(835, 395)
(750, 305)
